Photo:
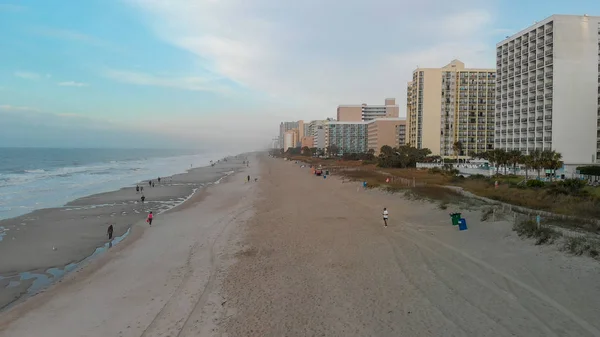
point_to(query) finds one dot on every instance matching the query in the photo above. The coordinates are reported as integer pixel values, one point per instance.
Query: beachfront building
(291, 139)
(383, 131)
(401, 133)
(308, 141)
(316, 129)
(364, 112)
(348, 137)
(451, 104)
(548, 89)
(301, 130)
(283, 128)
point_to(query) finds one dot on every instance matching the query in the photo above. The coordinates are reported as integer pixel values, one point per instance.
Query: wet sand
(58, 237)
(158, 284)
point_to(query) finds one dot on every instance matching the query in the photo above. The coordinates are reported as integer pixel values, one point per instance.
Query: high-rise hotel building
(451, 104)
(548, 88)
(365, 112)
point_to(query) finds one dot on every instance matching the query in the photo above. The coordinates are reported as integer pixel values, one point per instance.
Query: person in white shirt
(385, 216)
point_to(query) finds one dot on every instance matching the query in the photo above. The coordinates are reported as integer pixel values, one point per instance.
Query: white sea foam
(28, 190)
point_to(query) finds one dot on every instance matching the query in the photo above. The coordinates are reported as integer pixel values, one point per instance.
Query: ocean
(35, 178)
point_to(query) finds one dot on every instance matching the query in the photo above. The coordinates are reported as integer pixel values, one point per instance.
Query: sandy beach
(42, 245)
(299, 255)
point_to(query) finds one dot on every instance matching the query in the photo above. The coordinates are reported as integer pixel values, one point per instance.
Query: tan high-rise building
(291, 139)
(365, 113)
(301, 134)
(383, 131)
(308, 141)
(451, 104)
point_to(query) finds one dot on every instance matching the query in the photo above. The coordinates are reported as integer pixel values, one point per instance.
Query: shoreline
(41, 254)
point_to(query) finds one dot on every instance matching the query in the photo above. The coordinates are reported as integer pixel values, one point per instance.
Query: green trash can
(327, 172)
(455, 218)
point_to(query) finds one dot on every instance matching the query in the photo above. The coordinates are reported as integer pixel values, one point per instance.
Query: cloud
(27, 75)
(72, 84)
(146, 79)
(316, 55)
(13, 108)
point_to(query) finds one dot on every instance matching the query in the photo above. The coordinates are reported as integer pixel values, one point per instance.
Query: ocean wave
(34, 171)
(53, 187)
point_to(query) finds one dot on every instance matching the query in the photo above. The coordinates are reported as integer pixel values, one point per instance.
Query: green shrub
(569, 187)
(581, 245)
(435, 170)
(530, 229)
(535, 184)
(453, 172)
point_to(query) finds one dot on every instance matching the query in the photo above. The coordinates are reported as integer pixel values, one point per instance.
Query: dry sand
(297, 255)
(318, 262)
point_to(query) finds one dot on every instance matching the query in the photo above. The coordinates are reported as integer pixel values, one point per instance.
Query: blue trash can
(462, 224)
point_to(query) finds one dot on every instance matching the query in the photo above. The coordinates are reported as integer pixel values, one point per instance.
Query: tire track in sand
(593, 331)
(190, 293)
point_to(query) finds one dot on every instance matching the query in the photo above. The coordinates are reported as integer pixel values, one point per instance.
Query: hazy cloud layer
(318, 54)
(175, 82)
(72, 84)
(27, 75)
(13, 108)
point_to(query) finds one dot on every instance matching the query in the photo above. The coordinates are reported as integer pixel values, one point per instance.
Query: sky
(224, 73)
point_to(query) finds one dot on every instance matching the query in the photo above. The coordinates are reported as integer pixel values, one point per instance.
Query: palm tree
(503, 159)
(514, 159)
(552, 160)
(333, 150)
(498, 157)
(537, 161)
(526, 161)
(458, 148)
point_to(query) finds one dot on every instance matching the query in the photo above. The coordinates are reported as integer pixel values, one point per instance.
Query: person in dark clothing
(142, 189)
(150, 183)
(143, 198)
(110, 232)
(159, 180)
(137, 189)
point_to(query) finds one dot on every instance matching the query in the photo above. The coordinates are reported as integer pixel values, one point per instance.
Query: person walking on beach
(159, 180)
(149, 220)
(142, 189)
(110, 232)
(385, 216)
(143, 198)
(248, 178)
(150, 183)
(137, 189)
